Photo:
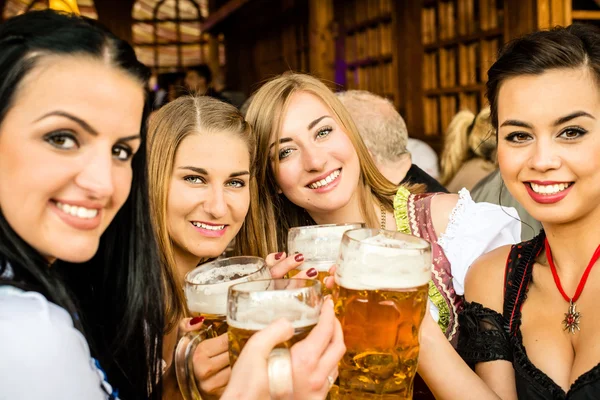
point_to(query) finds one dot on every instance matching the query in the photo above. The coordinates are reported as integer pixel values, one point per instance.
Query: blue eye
(62, 140)
(193, 179)
(324, 132)
(237, 183)
(285, 152)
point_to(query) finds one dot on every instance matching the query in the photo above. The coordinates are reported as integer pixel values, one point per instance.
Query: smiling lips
(548, 192)
(209, 230)
(325, 181)
(78, 216)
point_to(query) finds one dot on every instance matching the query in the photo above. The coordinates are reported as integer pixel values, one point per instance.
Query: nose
(96, 177)
(313, 159)
(545, 155)
(215, 203)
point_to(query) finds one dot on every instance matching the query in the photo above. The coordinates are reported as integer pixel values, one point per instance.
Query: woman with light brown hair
(469, 150)
(203, 194)
(316, 169)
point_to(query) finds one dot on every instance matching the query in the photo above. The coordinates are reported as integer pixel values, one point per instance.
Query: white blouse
(473, 230)
(42, 356)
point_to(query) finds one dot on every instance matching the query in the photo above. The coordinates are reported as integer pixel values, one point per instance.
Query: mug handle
(184, 362)
(279, 369)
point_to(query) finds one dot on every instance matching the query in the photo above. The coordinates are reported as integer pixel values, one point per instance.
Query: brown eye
(61, 140)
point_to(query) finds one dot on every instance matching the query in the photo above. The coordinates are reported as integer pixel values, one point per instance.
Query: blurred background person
(424, 157)
(384, 132)
(469, 150)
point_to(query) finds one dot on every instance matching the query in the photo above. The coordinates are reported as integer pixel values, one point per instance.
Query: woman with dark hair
(530, 322)
(79, 269)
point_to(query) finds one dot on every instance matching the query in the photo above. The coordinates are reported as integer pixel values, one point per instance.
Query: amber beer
(320, 245)
(380, 299)
(254, 305)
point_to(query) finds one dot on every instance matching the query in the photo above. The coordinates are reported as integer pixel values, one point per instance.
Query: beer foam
(210, 295)
(380, 262)
(322, 266)
(257, 315)
(319, 243)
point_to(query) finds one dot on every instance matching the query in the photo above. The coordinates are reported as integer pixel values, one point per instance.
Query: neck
(346, 214)
(185, 262)
(572, 248)
(395, 171)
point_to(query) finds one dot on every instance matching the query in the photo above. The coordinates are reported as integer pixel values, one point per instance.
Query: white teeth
(326, 181)
(549, 189)
(79, 212)
(209, 227)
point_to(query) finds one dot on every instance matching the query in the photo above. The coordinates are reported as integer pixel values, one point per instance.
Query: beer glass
(319, 244)
(380, 298)
(254, 305)
(206, 293)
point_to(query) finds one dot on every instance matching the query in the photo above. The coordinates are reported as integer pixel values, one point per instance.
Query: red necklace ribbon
(583, 280)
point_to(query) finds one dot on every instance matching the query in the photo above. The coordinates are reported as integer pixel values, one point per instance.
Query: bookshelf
(585, 11)
(461, 39)
(367, 32)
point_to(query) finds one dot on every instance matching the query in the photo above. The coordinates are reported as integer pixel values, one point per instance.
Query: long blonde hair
(167, 129)
(265, 114)
(468, 136)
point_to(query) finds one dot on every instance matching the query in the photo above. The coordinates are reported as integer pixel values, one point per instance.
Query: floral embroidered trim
(406, 222)
(442, 305)
(456, 216)
(113, 394)
(401, 210)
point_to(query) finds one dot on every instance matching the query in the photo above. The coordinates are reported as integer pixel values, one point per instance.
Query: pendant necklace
(572, 316)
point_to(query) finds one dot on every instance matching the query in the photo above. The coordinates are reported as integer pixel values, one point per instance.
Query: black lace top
(485, 335)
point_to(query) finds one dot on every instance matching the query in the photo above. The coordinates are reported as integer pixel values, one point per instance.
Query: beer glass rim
(307, 227)
(308, 284)
(420, 244)
(227, 261)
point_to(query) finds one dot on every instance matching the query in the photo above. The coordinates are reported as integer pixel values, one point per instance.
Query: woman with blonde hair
(469, 150)
(316, 169)
(203, 194)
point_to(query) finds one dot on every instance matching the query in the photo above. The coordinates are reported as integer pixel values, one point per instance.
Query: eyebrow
(202, 171)
(559, 121)
(309, 127)
(84, 124)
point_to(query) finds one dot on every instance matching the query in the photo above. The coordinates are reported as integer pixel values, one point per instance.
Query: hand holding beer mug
(320, 245)
(206, 290)
(254, 305)
(381, 297)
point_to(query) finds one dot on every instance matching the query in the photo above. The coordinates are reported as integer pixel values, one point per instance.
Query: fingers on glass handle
(281, 386)
(184, 364)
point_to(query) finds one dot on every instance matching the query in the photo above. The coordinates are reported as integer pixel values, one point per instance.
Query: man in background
(384, 132)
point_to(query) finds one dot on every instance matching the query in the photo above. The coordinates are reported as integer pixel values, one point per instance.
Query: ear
(279, 191)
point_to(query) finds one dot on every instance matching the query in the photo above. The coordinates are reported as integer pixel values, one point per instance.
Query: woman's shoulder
(484, 281)
(39, 343)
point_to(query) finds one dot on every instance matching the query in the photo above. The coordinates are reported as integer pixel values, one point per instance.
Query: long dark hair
(116, 298)
(575, 46)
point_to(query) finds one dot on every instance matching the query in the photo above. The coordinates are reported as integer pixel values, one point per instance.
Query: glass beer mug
(206, 289)
(319, 244)
(380, 298)
(254, 305)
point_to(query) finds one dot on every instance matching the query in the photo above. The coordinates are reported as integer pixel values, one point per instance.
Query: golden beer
(380, 297)
(381, 329)
(322, 270)
(238, 338)
(217, 323)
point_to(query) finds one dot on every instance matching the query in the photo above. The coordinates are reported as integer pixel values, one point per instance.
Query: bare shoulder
(484, 282)
(441, 208)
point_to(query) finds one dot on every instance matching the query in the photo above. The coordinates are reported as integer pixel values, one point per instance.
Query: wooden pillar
(408, 63)
(117, 16)
(552, 13)
(321, 39)
(213, 53)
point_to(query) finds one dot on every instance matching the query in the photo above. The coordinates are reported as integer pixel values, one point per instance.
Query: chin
(75, 253)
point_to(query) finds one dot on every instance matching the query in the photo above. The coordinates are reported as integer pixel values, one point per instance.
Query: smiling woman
(77, 256)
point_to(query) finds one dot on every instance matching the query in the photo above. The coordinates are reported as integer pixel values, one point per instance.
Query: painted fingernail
(299, 257)
(196, 321)
(311, 273)
(278, 255)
